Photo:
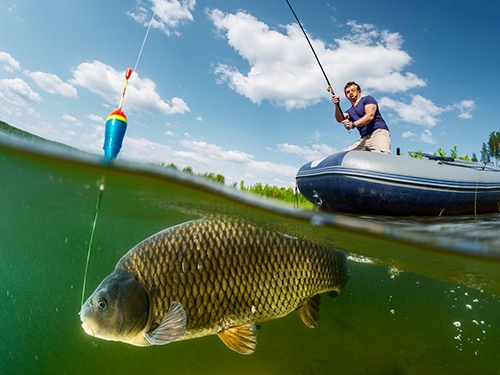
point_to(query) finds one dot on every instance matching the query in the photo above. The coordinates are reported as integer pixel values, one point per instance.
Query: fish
(212, 277)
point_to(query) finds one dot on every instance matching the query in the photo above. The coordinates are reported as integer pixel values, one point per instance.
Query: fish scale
(226, 275)
(255, 289)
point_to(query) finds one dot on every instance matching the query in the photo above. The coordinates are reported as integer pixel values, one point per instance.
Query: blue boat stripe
(400, 179)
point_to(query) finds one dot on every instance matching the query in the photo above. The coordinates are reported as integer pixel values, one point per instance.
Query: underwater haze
(422, 296)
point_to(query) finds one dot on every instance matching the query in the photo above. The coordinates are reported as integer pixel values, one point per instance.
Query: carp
(212, 277)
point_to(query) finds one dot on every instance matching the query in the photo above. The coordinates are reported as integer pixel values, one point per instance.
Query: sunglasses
(351, 91)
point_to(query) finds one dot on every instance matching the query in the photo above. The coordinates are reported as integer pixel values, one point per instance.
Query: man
(364, 116)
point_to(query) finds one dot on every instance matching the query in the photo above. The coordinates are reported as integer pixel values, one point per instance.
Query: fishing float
(116, 126)
(116, 123)
(114, 133)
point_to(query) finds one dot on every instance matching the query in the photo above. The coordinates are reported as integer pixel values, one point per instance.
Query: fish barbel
(211, 276)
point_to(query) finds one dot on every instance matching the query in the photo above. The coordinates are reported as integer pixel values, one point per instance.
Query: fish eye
(102, 303)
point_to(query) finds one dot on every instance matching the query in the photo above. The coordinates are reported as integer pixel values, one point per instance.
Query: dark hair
(350, 84)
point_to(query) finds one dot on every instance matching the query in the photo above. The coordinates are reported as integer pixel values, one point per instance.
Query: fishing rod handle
(342, 113)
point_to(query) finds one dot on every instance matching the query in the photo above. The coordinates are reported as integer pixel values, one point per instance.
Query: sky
(232, 87)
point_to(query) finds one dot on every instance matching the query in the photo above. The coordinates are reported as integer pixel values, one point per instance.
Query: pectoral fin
(241, 339)
(172, 326)
(309, 311)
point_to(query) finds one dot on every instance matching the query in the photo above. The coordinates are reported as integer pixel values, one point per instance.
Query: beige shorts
(378, 141)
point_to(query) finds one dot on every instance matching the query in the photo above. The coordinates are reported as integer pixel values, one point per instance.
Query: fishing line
(144, 41)
(129, 71)
(117, 123)
(98, 203)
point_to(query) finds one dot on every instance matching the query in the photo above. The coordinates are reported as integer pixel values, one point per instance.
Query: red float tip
(118, 112)
(128, 73)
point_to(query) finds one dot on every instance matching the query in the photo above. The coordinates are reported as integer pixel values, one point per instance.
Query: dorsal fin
(241, 339)
(309, 311)
(172, 326)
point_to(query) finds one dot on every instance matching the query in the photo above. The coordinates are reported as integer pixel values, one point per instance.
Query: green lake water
(422, 297)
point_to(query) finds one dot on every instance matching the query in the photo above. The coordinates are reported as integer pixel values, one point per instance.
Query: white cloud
(281, 68)
(72, 119)
(93, 141)
(420, 111)
(169, 14)
(465, 107)
(96, 118)
(53, 84)
(280, 174)
(308, 153)
(284, 71)
(204, 157)
(425, 136)
(9, 63)
(141, 94)
(12, 9)
(216, 152)
(17, 89)
(142, 149)
(318, 135)
(408, 134)
(376, 59)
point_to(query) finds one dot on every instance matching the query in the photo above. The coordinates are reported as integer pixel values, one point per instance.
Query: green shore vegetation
(490, 151)
(288, 195)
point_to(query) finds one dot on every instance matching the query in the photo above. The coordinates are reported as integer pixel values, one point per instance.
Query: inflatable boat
(364, 182)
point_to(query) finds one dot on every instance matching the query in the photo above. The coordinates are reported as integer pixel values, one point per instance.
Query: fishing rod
(329, 88)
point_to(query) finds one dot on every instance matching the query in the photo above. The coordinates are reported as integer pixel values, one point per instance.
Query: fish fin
(333, 293)
(172, 326)
(241, 339)
(309, 311)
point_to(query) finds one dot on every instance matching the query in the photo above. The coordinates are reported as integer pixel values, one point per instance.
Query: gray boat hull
(372, 183)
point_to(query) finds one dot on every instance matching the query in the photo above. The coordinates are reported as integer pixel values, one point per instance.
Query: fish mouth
(88, 330)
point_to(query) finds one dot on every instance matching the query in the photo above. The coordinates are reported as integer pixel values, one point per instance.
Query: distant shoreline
(29, 137)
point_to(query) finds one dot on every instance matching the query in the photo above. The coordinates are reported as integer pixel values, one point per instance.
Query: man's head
(352, 91)
(351, 87)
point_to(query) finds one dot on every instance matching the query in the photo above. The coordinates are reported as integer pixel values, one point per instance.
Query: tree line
(442, 153)
(490, 151)
(29, 137)
(288, 195)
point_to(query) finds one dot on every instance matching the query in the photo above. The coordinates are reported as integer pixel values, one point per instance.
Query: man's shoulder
(368, 99)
